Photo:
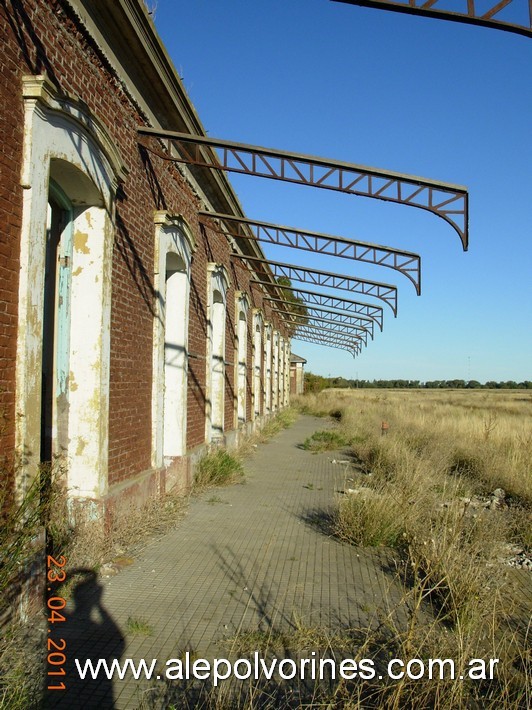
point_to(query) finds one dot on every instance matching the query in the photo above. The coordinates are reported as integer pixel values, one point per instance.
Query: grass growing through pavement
(282, 420)
(137, 626)
(218, 468)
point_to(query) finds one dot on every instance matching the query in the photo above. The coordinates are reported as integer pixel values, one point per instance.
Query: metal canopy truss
(338, 325)
(385, 292)
(322, 338)
(362, 310)
(405, 262)
(330, 331)
(448, 201)
(325, 325)
(511, 15)
(318, 341)
(364, 322)
(325, 338)
(357, 340)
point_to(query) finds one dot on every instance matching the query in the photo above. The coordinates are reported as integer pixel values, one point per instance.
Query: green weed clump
(137, 626)
(370, 519)
(218, 468)
(21, 523)
(327, 440)
(21, 649)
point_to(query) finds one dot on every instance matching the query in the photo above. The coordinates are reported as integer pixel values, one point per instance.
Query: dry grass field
(484, 435)
(447, 482)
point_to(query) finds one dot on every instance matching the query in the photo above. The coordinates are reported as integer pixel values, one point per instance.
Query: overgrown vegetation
(21, 667)
(450, 487)
(21, 525)
(24, 513)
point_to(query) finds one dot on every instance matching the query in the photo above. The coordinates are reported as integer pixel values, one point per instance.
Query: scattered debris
(363, 492)
(492, 502)
(523, 560)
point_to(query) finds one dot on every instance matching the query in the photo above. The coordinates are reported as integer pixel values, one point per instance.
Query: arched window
(242, 308)
(281, 372)
(218, 283)
(257, 361)
(275, 367)
(173, 254)
(267, 368)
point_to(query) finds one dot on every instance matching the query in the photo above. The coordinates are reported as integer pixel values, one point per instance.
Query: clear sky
(442, 100)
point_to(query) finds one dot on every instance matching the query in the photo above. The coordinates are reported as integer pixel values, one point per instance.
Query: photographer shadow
(88, 634)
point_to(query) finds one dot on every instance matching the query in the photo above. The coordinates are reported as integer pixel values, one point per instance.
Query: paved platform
(246, 557)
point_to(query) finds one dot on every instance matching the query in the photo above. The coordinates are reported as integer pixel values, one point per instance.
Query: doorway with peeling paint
(56, 325)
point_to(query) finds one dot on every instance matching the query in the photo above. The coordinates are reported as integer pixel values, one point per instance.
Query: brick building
(297, 374)
(131, 338)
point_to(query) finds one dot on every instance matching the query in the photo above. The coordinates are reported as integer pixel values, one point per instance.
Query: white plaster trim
(40, 94)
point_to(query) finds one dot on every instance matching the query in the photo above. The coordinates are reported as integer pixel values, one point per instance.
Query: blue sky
(437, 99)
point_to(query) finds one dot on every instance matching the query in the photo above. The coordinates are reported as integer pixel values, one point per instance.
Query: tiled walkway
(246, 557)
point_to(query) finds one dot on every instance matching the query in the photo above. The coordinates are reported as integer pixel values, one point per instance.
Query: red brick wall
(41, 36)
(11, 124)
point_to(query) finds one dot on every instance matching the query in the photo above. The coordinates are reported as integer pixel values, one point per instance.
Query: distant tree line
(315, 383)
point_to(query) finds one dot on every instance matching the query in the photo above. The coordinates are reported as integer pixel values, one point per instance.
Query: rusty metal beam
(331, 303)
(517, 15)
(385, 292)
(325, 324)
(319, 341)
(406, 262)
(448, 201)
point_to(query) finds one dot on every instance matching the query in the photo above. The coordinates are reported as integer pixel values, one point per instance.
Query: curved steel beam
(517, 17)
(406, 262)
(386, 292)
(319, 341)
(448, 201)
